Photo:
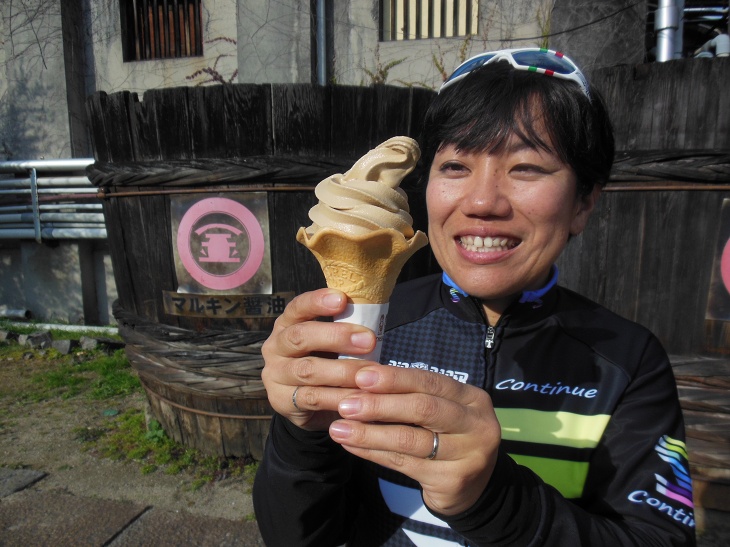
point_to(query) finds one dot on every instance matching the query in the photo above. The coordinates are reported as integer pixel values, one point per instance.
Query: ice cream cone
(362, 233)
(366, 266)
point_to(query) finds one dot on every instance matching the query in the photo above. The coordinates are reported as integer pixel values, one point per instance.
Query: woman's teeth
(486, 244)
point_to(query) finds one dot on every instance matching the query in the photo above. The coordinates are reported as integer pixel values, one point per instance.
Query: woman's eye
(529, 168)
(452, 167)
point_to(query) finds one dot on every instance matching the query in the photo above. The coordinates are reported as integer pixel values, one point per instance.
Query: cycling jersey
(592, 449)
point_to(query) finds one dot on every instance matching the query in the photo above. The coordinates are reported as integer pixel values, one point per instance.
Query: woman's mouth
(478, 244)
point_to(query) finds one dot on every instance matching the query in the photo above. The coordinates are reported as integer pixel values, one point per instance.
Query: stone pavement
(33, 516)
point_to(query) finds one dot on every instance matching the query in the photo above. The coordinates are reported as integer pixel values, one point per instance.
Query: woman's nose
(488, 195)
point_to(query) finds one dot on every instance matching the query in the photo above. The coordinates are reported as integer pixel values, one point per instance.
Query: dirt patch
(45, 436)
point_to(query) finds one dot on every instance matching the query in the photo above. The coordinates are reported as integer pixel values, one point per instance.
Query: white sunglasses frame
(506, 55)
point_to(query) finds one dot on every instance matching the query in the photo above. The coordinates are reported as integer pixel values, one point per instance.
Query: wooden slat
(704, 399)
(702, 105)
(708, 426)
(246, 125)
(173, 121)
(391, 113)
(674, 105)
(351, 125)
(294, 267)
(144, 130)
(301, 119)
(205, 103)
(639, 257)
(704, 453)
(110, 127)
(656, 261)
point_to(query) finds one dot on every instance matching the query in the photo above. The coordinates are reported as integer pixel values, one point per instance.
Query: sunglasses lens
(547, 61)
(468, 66)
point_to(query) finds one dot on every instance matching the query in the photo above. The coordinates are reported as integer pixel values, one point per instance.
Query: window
(414, 19)
(161, 29)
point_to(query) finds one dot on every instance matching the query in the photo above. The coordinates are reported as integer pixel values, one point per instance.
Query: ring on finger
(294, 398)
(435, 449)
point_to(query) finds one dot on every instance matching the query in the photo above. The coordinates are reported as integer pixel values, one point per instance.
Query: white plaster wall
(52, 282)
(274, 43)
(112, 74)
(46, 280)
(33, 111)
(11, 276)
(502, 23)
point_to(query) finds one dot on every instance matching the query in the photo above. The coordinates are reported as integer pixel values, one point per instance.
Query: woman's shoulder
(414, 299)
(609, 334)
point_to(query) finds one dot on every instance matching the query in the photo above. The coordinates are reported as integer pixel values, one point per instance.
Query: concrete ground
(31, 515)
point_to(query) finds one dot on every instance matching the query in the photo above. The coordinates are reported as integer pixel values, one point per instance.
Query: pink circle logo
(725, 266)
(220, 243)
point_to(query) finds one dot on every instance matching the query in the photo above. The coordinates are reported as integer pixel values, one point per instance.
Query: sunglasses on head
(540, 60)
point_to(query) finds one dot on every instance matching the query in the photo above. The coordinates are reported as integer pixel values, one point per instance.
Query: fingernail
(332, 300)
(350, 406)
(340, 430)
(362, 340)
(366, 378)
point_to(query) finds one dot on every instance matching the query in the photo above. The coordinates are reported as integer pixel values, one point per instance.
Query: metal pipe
(665, 25)
(105, 195)
(46, 181)
(68, 328)
(52, 207)
(11, 313)
(53, 217)
(52, 212)
(34, 203)
(54, 233)
(77, 164)
(678, 52)
(321, 44)
(717, 9)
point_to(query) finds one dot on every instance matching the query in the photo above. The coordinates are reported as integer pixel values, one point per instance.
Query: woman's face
(497, 222)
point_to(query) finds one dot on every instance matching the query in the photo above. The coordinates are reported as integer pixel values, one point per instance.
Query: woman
(549, 420)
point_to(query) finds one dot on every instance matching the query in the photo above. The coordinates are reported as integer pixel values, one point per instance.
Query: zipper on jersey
(489, 339)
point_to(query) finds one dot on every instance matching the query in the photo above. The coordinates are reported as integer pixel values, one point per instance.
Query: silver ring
(294, 398)
(435, 450)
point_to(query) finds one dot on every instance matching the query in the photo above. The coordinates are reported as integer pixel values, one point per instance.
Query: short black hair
(481, 111)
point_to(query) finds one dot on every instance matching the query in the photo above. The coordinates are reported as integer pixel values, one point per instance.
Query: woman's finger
(388, 379)
(311, 305)
(406, 440)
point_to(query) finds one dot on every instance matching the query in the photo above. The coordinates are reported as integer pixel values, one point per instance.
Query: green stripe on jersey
(567, 477)
(557, 428)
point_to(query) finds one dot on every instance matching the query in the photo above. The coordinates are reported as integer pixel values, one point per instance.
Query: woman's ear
(584, 208)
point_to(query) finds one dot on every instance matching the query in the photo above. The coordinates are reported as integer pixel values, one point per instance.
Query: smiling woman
(559, 417)
(524, 199)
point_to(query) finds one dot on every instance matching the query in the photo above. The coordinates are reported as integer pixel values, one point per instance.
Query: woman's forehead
(509, 141)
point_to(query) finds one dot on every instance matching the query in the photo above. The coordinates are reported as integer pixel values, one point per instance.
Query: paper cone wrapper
(364, 267)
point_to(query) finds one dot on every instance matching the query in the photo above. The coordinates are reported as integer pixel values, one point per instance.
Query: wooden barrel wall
(648, 251)
(648, 255)
(677, 105)
(281, 139)
(202, 375)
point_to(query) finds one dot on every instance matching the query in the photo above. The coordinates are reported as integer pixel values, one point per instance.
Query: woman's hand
(393, 419)
(301, 354)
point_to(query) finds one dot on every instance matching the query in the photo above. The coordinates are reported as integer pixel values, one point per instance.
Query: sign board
(221, 244)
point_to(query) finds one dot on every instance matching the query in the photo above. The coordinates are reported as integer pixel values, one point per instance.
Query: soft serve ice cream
(362, 232)
(368, 196)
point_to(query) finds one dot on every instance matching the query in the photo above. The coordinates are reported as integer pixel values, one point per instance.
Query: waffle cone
(364, 267)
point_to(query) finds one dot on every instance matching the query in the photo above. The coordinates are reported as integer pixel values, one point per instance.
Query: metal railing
(49, 199)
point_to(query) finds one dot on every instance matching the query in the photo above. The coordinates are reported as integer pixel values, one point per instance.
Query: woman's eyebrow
(518, 144)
